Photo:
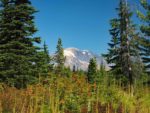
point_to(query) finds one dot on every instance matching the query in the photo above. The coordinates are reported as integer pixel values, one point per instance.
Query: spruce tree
(125, 30)
(114, 48)
(44, 64)
(92, 70)
(59, 57)
(45, 47)
(48, 59)
(17, 51)
(145, 29)
(123, 53)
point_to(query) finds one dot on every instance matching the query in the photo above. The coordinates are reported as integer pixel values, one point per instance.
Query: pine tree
(113, 52)
(59, 57)
(145, 29)
(48, 59)
(92, 70)
(123, 53)
(44, 64)
(17, 52)
(46, 52)
(125, 30)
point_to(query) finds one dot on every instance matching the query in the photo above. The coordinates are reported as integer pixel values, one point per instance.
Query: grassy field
(74, 95)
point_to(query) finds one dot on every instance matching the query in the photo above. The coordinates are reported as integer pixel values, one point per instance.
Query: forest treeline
(47, 86)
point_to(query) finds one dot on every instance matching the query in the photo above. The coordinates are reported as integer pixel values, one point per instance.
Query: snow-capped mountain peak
(80, 58)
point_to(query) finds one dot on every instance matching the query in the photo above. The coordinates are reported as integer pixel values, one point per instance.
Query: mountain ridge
(80, 59)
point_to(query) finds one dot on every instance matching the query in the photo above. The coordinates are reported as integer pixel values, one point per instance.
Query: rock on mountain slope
(80, 59)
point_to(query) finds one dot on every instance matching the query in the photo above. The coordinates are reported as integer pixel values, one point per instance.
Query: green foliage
(44, 61)
(59, 57)
(92, 71)
(123, 52)
(17, 52)
(21, 63)
(77, 97)
(112, 56)
(145, 29)
(66, 72)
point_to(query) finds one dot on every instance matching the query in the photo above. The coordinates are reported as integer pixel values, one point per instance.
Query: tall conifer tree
(123, 52)
(17, 52)
(59, 57)
(92, 71)
(44, 64)
(145, 29)
(114, 48)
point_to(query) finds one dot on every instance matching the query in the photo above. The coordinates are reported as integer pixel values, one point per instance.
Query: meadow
(34, 81)
(74, 94)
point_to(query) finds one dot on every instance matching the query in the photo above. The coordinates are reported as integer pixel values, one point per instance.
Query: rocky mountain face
(80, 59)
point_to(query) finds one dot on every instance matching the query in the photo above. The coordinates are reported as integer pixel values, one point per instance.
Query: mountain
(80, 59)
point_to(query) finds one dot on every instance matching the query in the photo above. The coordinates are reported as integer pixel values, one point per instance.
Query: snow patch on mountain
(69, 53)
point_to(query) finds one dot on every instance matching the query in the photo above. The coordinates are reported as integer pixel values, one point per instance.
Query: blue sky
(83, 24)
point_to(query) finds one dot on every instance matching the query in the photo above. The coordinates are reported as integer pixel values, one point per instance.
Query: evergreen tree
(125, 31)
(44, 64)
(17, 52)
(59, 57)
(123, 53)
(74, 68)
(45, 48)
(113, 52)
(92, 71)
(48, 59)
(145, 29)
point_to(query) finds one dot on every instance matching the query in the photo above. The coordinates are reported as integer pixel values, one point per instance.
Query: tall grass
(74, 95)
